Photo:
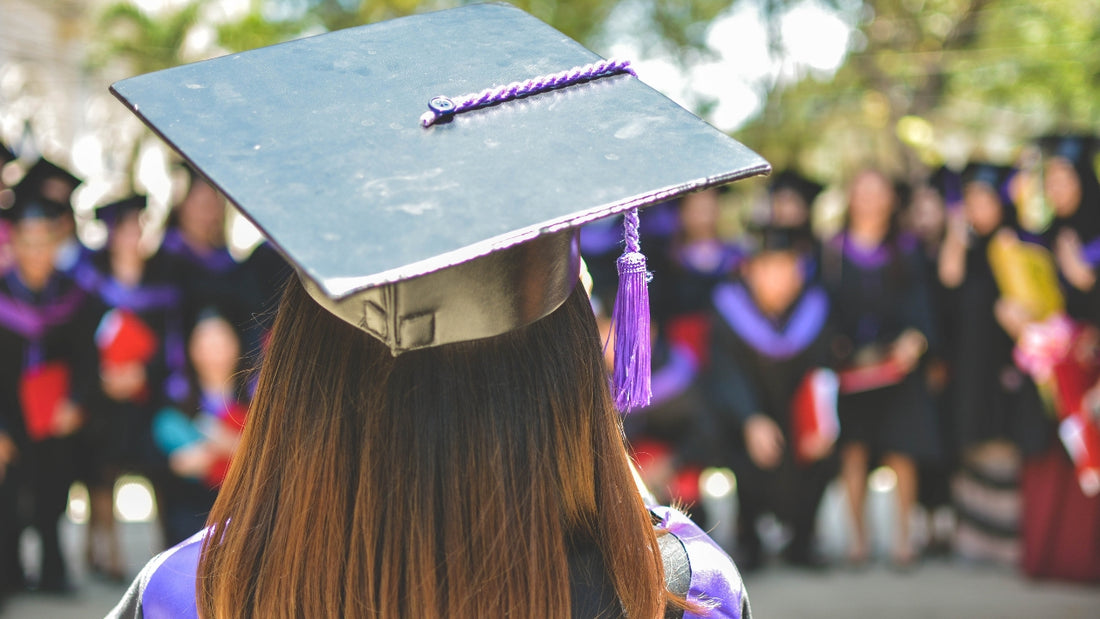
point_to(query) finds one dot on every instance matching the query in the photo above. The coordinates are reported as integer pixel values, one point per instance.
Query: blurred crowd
(934, 334)
(127, 359)
(930, 332)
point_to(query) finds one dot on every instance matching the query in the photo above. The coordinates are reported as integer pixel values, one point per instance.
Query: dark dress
(118, 433)
(38, 331)
(757, 365)
(989, 398)
(212, 280)
(876, 295)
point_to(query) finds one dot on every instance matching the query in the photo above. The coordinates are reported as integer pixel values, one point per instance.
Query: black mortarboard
(30, 205)
(948, 183)
(1078, 149)
(112, 212)
(789, 179)
(426, 234)
(768, 237)
(42, 171)
(996, 177)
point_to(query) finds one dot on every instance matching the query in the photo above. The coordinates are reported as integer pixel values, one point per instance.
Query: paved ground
(936, 589)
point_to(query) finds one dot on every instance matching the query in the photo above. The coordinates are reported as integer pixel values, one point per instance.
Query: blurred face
(126, 235)
(215, 351)
(202, 214)
(34, 244)
(789, 209)
(927, 214)
(57, 189)
(982, 207)
(1062, 187)
(871, 201)
(775, 278)
(699, 215)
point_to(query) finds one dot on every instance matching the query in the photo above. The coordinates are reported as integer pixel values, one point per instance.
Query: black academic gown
(757, 364)
(118, 433)
(213, 280)
(989, 397)
(876, 295)
(52, 326)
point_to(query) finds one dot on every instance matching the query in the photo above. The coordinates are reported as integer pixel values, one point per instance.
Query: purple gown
(165, 588)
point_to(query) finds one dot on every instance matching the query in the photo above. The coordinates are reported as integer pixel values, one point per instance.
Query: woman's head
(201, 215)
(443, 481)
(1062, 186)
(871, 201)
(34, 245)
(699, 215)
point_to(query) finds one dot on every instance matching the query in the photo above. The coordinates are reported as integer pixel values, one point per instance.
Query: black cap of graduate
(30, 205)
(996, 177)
(111, 213)
(768, 237)
(1078, 149)
(807, 189)
(46, 178)
(452, 227)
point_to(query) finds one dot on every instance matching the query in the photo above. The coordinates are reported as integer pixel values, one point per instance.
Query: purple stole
(737, 309)
(715, 581)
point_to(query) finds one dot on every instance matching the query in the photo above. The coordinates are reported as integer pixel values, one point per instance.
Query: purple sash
(170, 592)
(30, 320)
(217, 261)
(737, 310)
(715, 581)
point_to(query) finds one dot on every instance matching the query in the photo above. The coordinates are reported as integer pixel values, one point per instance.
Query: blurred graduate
(772, 389)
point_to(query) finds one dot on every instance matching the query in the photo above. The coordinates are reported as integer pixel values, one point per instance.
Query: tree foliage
(929, 80)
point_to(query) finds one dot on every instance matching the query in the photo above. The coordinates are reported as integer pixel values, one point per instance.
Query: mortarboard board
(767, 237)
(43, 170)
(420, 232)
(30, 205)
(789, 179)
(1078, 149)
(112, 212)
(995, 176)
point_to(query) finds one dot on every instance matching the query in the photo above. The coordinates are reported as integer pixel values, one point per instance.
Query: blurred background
(826, 87)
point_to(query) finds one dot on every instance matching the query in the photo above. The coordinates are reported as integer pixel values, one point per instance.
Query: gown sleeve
(729, 387)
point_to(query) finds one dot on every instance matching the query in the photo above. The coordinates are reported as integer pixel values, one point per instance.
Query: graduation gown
(757, 365)
(42, 334)
(696, 567)
(211, 280)
(119, 432)
(989, 397)
(876, 294)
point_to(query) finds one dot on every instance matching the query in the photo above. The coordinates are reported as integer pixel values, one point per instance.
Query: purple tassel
(631, 320)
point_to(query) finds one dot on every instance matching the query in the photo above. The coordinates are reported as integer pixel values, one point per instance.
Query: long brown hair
(449, 482)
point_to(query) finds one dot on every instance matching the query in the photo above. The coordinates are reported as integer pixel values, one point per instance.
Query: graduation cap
(996, 177)
(769, 237)
(38, 178)
(31, 205)
(807, 189)
(425, 228)
(1078, 149)
(113, 212)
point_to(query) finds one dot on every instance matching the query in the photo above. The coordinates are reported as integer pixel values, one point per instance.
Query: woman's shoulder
(166, 585)
(699, 568)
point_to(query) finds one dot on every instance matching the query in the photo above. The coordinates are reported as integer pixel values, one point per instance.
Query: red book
(41, 390)
(877, 375)
(1082, 441)
(124, 338)
(813, 413)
